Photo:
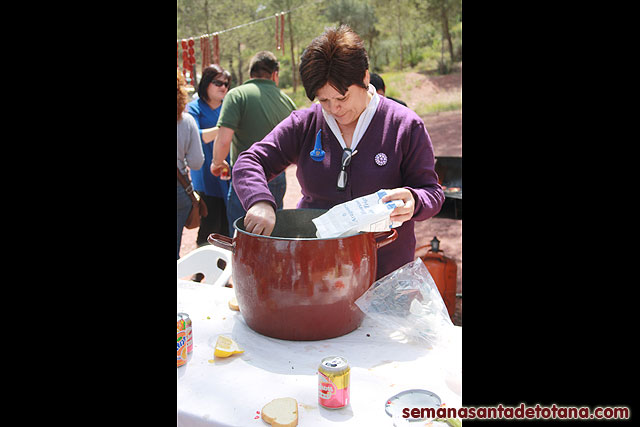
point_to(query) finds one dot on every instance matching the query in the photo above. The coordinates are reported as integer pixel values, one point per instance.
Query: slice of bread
(281, 412)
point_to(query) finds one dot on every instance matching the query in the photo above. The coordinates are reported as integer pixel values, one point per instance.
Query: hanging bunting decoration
(185, 58)
(277, 31)
(206, 52)
(282, 31)
(192, 60)
(203, 50)
(216, 49)
(189, 61)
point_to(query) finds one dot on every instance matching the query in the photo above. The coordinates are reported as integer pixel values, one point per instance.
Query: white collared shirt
(363, 121)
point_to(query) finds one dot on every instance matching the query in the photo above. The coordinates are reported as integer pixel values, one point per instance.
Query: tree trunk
(400, 37)
(445, 31)
(234, 78)
(240, 77)
(372, 55)
(294, 70)
(206, 15)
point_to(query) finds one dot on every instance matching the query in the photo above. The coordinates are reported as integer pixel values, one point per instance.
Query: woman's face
(216, 93)
(345, 108)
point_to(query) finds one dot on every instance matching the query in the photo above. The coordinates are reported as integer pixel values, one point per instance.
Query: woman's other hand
(403, 213)
(260, 219)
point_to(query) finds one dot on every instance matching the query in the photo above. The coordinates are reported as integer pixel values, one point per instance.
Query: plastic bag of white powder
(366, 213)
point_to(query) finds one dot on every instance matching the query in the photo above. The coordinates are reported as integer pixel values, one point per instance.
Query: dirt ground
(445, 130)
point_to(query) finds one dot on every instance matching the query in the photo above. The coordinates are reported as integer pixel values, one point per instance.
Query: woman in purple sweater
(366, 142)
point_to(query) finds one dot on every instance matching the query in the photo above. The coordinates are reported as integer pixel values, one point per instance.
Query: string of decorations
(212, 55)
(280, 31)
(209, 57)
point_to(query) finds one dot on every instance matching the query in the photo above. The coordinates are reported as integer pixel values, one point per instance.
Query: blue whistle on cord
(317, 153)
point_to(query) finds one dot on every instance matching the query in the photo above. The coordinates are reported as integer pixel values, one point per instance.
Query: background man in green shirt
(249, 112)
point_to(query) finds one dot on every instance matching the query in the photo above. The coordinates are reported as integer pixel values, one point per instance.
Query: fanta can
(187, 321)
(182, 341)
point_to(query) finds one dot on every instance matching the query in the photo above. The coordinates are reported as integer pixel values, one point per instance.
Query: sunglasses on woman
(347, 154)
(219, 83)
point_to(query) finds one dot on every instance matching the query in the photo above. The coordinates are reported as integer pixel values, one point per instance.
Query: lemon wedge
(225, 347)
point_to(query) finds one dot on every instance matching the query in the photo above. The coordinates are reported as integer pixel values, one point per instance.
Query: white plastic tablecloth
(232, 391)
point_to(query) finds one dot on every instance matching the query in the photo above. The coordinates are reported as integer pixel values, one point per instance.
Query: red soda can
(225, 174)
(189, 329)
(333, 382)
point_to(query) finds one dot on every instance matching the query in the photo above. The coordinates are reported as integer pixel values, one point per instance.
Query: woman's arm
(210, 134)
(194, 155)
(419, 176)
(260, 163)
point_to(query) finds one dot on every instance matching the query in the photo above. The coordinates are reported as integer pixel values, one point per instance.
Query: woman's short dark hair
(337, 57)
(208, 75)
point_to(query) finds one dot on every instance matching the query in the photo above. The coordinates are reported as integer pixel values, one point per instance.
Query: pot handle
(389, 236)
(221, 241)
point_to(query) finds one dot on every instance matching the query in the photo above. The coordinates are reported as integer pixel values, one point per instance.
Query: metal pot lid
(415, 398)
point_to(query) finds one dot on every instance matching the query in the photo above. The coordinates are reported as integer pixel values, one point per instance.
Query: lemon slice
(225, 347)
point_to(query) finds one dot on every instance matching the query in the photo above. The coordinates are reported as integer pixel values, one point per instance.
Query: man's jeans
(277, 186)
(184, 209)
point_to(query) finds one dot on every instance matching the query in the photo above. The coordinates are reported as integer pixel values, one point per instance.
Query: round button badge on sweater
(381, 159)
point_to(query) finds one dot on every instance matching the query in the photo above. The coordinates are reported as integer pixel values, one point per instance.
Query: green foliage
(359, 15)
(437, 107)
(299, 97)
(398, 34)
(414, 57)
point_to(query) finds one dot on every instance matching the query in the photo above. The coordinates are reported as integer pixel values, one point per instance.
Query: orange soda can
(182, 341)
(189, 328)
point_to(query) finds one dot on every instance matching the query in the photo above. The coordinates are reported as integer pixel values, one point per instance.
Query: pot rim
(315, 239)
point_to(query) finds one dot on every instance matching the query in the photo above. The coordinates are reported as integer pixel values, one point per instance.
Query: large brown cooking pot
(294, 286)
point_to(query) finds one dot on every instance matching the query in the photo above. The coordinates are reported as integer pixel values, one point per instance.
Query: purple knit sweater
(395, 130)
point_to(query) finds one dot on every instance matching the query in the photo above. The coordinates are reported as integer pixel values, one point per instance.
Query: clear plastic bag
(408, 300)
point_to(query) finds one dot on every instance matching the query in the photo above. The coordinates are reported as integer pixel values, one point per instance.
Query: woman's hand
(260, 219)
(403, 213)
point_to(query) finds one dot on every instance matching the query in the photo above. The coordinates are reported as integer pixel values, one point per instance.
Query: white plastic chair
(205, 260)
